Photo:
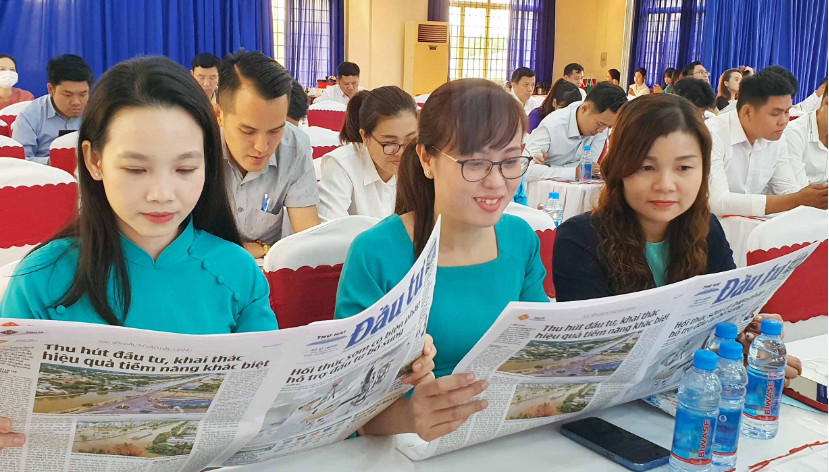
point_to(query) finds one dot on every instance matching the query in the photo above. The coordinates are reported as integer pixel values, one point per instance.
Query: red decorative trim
(31, 215)
(13, 151)
(302, 296)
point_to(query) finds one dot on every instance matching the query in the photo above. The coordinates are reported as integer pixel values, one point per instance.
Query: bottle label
(693, 433)
(763, 395)
(728, 432)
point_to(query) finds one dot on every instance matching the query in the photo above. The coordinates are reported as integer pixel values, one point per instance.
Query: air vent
(427, 33)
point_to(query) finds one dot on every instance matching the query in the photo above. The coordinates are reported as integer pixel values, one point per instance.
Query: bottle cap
(731, 350)
(587, 148)
(554, 195)
(726, 331)
(771, 327)
(705, 360)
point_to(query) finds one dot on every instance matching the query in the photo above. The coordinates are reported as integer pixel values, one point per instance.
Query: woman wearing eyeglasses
(464, 167)
(360, 178)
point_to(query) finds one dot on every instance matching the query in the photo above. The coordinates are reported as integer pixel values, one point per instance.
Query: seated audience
(59, 111)
(205, 69)
(728, 88)
(614, 76)
(298, 108)
(561, 95)
(348, 83)
(360, 178)
(811, 103)
(464, 167)
(700, 94)
(523, 86)
(638, 87)
(9, 94)
(267, 161)
(697, 71)
(667, 80)
(652, 226)
(750, 170)
(677, 75)
(806, 140)
(574, 73)
(562, 134)
(777, 70)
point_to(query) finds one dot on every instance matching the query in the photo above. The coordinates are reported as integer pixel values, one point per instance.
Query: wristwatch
(265, 247)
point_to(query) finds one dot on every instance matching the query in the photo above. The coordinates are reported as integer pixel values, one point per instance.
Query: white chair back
(328, 105)
(15, 108)
(67, 141)
(322, 136)
(801, 225)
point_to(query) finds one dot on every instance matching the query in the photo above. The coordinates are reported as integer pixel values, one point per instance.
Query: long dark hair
(368, 107)
(722, 90)
(621, 240)
(461, 117)
(140, 82)
(562, 93)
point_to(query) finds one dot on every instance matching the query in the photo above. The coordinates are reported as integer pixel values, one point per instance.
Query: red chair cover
(319, 151)
(8, 119)
(330, 119)
(5, 130)
(13, 151)
(303, 296)
(65, 158)
(548, 240)
(37, 214)
(804, 294)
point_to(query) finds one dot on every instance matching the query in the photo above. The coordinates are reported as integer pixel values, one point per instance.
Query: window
(279, 30)
(302, 38)
(479, 39)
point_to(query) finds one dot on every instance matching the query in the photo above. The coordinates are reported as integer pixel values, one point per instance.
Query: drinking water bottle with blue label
(554, 208)
(733, 380)
(722, 332)
(585, 165)
(766, 373)
(696, 415)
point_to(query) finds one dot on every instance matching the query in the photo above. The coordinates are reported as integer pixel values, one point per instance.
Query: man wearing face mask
(59, 111)
(9, 94)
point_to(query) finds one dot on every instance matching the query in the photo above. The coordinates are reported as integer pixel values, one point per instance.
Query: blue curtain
(790, 33)
(438, 10)
(314, 39)
(532, 37)
(105, 32)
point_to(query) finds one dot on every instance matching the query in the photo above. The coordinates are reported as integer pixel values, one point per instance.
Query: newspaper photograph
(549, 362)
(99, 397)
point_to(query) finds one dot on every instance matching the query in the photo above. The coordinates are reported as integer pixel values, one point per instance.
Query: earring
(428, 173)
(97, 175)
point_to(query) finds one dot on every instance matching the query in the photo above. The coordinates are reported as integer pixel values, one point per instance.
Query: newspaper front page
(105, 398)
(548, 362)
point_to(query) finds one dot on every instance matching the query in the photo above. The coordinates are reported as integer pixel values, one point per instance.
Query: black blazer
(578, 273)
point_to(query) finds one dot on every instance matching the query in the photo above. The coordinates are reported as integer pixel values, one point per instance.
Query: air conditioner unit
(425, 56)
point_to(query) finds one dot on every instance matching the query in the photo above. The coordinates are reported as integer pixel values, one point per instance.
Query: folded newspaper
(549, 362)
(97, 397)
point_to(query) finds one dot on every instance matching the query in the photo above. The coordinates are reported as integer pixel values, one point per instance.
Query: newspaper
(548, 362)
(105, 398)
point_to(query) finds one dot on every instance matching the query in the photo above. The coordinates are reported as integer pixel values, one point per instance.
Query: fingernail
(5, 424)
(470, 377)
(484, 404)
(19, 440)
(484, 384)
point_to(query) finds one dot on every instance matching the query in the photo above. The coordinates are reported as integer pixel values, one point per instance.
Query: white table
(577, 197)
(541, 449)
(737, 228)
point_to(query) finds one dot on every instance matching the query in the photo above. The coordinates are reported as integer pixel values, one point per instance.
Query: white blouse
(807, 154)
(640, 90)
(350, 185)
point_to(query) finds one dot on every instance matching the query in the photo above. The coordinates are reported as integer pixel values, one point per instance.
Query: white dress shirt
(558, 135)
(729, 108)
(334, 93)
(350, 185)
(639, 90)
(808, 156)
(811, 103)
(532, 103)
(583, 93)
(743, 174)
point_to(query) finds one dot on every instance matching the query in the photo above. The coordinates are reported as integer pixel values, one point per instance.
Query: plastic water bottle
(554, 208)
(696, 415)
(585, 165)
(766, 373)
(733, 379)
(723, 332)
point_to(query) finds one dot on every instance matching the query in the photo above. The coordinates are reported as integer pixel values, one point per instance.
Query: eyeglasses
(389, 149)
(703, 73)
(475, 170)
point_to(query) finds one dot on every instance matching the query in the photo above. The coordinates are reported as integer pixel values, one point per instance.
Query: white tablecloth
(577, 197)
(737, 229)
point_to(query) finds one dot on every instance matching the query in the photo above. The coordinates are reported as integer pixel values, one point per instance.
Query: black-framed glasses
(475, 170)
(389, 149)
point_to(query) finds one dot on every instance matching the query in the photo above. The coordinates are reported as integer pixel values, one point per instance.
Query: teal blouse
(658, 257)
(467, 299)
(200, 284)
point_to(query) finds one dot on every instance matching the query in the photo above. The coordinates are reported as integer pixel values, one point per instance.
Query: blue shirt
(467, 299)
(38, 125)
(200, 284)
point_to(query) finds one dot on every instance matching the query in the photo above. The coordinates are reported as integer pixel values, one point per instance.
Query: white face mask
(7, 78)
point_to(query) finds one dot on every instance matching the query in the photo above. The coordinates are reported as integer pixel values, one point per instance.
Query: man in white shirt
(779, 70)
(812, 102)
(523, 86)
(574, 73)
(562, 134)
(750, 170)
(808, 149)
(267, 162)
(205, 69)
(348, 83)
(697, 71)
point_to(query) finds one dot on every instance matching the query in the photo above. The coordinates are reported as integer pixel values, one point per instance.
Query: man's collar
(573, 123)
(51, 110)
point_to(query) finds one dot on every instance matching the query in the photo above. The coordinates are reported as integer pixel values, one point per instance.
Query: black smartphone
(618, 445)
